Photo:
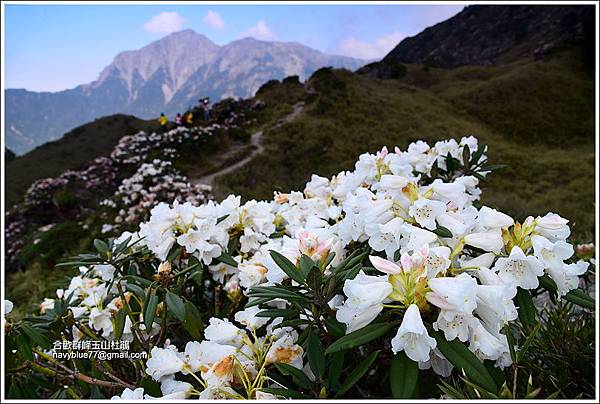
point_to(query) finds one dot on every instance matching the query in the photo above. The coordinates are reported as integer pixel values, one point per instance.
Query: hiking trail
(257, 148)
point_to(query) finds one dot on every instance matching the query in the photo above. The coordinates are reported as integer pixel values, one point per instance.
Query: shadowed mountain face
(495, 34)
(169, 75)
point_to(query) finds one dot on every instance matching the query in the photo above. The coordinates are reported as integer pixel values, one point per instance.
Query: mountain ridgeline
(168, 75)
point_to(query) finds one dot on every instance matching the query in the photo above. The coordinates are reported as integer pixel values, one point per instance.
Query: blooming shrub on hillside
(394, 267)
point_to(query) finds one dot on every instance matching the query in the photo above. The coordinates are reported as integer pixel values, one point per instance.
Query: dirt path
(256, 145)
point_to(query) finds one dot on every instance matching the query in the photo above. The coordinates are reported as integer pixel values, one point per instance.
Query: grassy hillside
(536, 116)
(72, 151)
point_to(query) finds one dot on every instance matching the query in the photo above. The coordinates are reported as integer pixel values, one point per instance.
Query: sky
(55, 47)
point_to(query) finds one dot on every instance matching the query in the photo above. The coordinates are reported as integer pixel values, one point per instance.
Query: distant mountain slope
(491, 34)
(536, 116)
(168, 76)
(72, 151)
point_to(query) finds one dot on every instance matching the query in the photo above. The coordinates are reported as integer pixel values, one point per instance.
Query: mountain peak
(177, 56)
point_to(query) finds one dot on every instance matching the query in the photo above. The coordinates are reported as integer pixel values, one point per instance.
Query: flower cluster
(229, 356)
(427, 259)
(151, 183)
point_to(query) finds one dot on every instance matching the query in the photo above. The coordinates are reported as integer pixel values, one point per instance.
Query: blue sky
(54, 47)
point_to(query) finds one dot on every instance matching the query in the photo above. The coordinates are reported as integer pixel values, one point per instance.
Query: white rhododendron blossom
(392, 241)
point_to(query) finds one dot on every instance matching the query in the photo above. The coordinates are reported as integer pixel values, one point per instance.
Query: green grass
(72, 151)
(535, 116)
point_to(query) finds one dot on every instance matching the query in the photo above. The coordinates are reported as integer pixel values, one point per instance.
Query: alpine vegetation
(394, 268)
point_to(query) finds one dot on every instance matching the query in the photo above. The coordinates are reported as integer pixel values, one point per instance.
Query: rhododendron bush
(394, 269)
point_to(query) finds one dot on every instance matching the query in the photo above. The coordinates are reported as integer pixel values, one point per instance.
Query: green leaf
(580, 298)
(297, 375)
(351, 273)
(284, 313)
(451, 163)
(511, 342)
(528, 341)
(442, 231)
(287, 266)
(276, 292)
(335, 328)
(404, 373)
(526, 308)
(316, 354)
(193, 321)
(492, 167)
(357, 373)
(306, 264)
(315, 280)
(24, 347)
(496, 373)
(255, 301)
(138, 291)
(477, 155)
(466, 155)
(174, 253)
(227, 259)
(35, 336)
(335, 370)
(176, 305)
(120, 322)
(462, 358)
(287, 393)
(138, 279)
(359, 337)
(100, 246)
(150, 308)
(122, 246)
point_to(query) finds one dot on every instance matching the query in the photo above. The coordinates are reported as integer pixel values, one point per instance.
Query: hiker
(178, 119)
(162, 120)
(205, 102)
(189, 119)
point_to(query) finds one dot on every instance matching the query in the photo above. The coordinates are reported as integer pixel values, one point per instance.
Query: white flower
(438, 261)
(485, 345)
(566, 276)
(492, 219)
(366, 290)
(171, 386)
(223, 332)
(8, 306)
(248, 318)
(365, 295)
(251, 274)
(553, 227)
(439, 363)
(101, 320)
(285, 350)
(47, 304)
(425, 211)
(519, 269)
(356, 318)
(164, 362)
(412, 336)
(131, 395)
(251, 240)
(490, 240)
(457, 293)
(495, 305)
(551, 254)
(454, 324)
(106, 272)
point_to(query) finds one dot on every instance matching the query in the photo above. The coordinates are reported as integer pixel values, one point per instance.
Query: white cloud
(377, 49)
(214, 20)
(260, 31)
(165, 23)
